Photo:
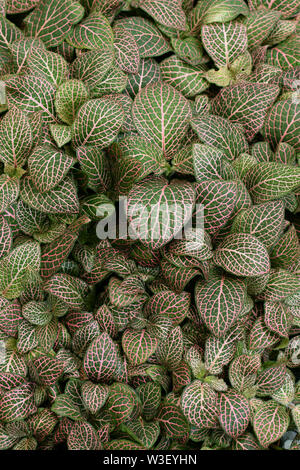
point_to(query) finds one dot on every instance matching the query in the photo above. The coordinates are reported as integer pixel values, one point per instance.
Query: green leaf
(121, 402)
(199, 404)
(264, 221)
(16, 268)
(94, 32)
(218, 199)
(277, 318)
(259, 24)
(173, 421)
(220, 351)
(9, 191)
(138, 346)
(49, 65)
(219, 303)
(92, 66)
(286, 54)
(243, 370)
(271, 180)
(61, 134)
(15, 138)
(286, 7)
(221, 133)
(216, 11)
(150, 41)
(6, 237)
(83, 436)
(246, 104)
(187, 79)
(100, 359)
(31, 93)
(270, 380)
(48, 167)
(144, 433)
(60, 200)
(167, 12)
(94, 164)
(51, 20)
(94, 396)
(170, 349)
(161, 115)
(224, 42)
(69, 289)
(243, 255)
(69, 97)
(97, 123)
(281, 284)
(282, 124)
(17, 404)
(148, 72)
(126, 50)
(270, 422)
(235, 413)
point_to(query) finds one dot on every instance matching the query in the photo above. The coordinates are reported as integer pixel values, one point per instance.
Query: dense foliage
(149, 343)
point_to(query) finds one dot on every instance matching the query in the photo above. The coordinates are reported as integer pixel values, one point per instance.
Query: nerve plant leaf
(161, 115)
(149, 234)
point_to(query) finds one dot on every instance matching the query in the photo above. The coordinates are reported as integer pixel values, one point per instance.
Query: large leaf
(246, 104)
(15, 137)
(16, 268)
(218, 199)
(150, 41)
(92, 66)
(187, 79)
(126, 50)
(220, 351)
(219, 303)
(49, 65)
(243, 255)
(48, 167)
(9, 191)
(235, 413)
(199, 404)
(167, 12)
(94, 164)
(270, 422)
(216, 11)
(69, 289)
(161, 114)
(97, 123)
(157, 211)
(282, 124)
(221, 133)
(259, 24)
(51, 20)
(31, 93)
(173, 422)
(69, 97)
(138, 346)
(271, 180)
(224, 42)
(285, 7)
(94, 32)
(264, 221)
(100, 359)
(60, 200)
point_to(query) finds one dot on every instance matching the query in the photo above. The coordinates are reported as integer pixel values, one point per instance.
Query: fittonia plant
(159, 342)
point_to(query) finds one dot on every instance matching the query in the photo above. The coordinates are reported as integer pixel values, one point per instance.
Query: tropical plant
(153, 341)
